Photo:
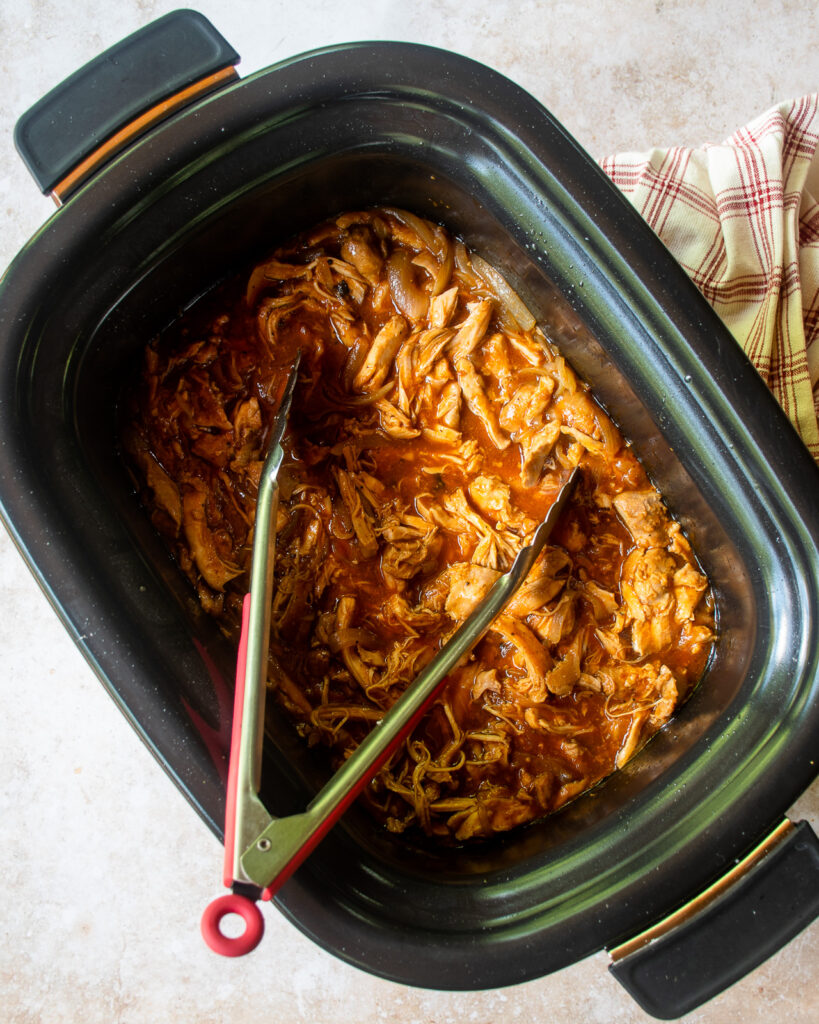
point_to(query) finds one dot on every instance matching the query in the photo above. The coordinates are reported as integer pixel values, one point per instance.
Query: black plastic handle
(741, 928)
(90, 106)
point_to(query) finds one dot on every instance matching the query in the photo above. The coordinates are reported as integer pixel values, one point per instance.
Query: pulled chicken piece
(644, 516)
(362, 522)
(383, 351)
(216, 570)
(472, 387)
(468, 586)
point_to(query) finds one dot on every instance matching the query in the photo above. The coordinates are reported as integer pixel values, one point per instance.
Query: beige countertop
(106, 869)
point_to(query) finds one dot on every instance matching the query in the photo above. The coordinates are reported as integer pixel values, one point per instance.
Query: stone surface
(105, 867)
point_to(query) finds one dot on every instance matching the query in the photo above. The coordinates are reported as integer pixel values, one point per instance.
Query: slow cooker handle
(100, 109)
(727, 931)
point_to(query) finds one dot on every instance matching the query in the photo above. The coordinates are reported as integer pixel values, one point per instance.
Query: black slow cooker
(171, 172)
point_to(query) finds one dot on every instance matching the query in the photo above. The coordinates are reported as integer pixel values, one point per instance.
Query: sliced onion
(444, 275)
(274, 270)
(462, 262)
(426, 261)
(343, 400)
(344, 638)
(612, 439)
(421, 227)
(506, 295)
(410, 300)
(355, 360)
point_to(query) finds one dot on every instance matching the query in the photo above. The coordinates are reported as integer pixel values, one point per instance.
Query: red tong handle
(235, 736)
(220, 908)
(234, 903)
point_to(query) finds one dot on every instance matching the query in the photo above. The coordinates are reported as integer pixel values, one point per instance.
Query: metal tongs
(262, 851)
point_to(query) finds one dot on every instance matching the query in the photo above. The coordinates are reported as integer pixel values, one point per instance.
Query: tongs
(262, 851)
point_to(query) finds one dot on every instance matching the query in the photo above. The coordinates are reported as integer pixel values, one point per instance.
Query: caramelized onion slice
(344, 638)
(274, 270)
(408, 297)
(507, 297)
(422, 228)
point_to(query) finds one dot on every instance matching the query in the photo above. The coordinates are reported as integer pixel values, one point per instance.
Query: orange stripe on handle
(119, 140)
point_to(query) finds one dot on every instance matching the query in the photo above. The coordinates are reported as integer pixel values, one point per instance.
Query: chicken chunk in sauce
(432, 427)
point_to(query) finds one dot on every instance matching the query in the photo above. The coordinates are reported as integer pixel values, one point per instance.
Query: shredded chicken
(432, 426)
(381, 355)
(644, 515)
(467, 585)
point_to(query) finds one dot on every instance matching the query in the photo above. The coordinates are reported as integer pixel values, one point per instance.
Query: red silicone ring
(232, 904)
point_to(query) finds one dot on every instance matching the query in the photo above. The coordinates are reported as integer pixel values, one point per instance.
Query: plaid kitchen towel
(741, 220)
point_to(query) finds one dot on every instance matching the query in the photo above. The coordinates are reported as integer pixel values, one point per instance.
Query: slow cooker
(169, 172)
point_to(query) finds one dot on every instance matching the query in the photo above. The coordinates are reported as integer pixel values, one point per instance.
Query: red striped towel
(742, 221)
